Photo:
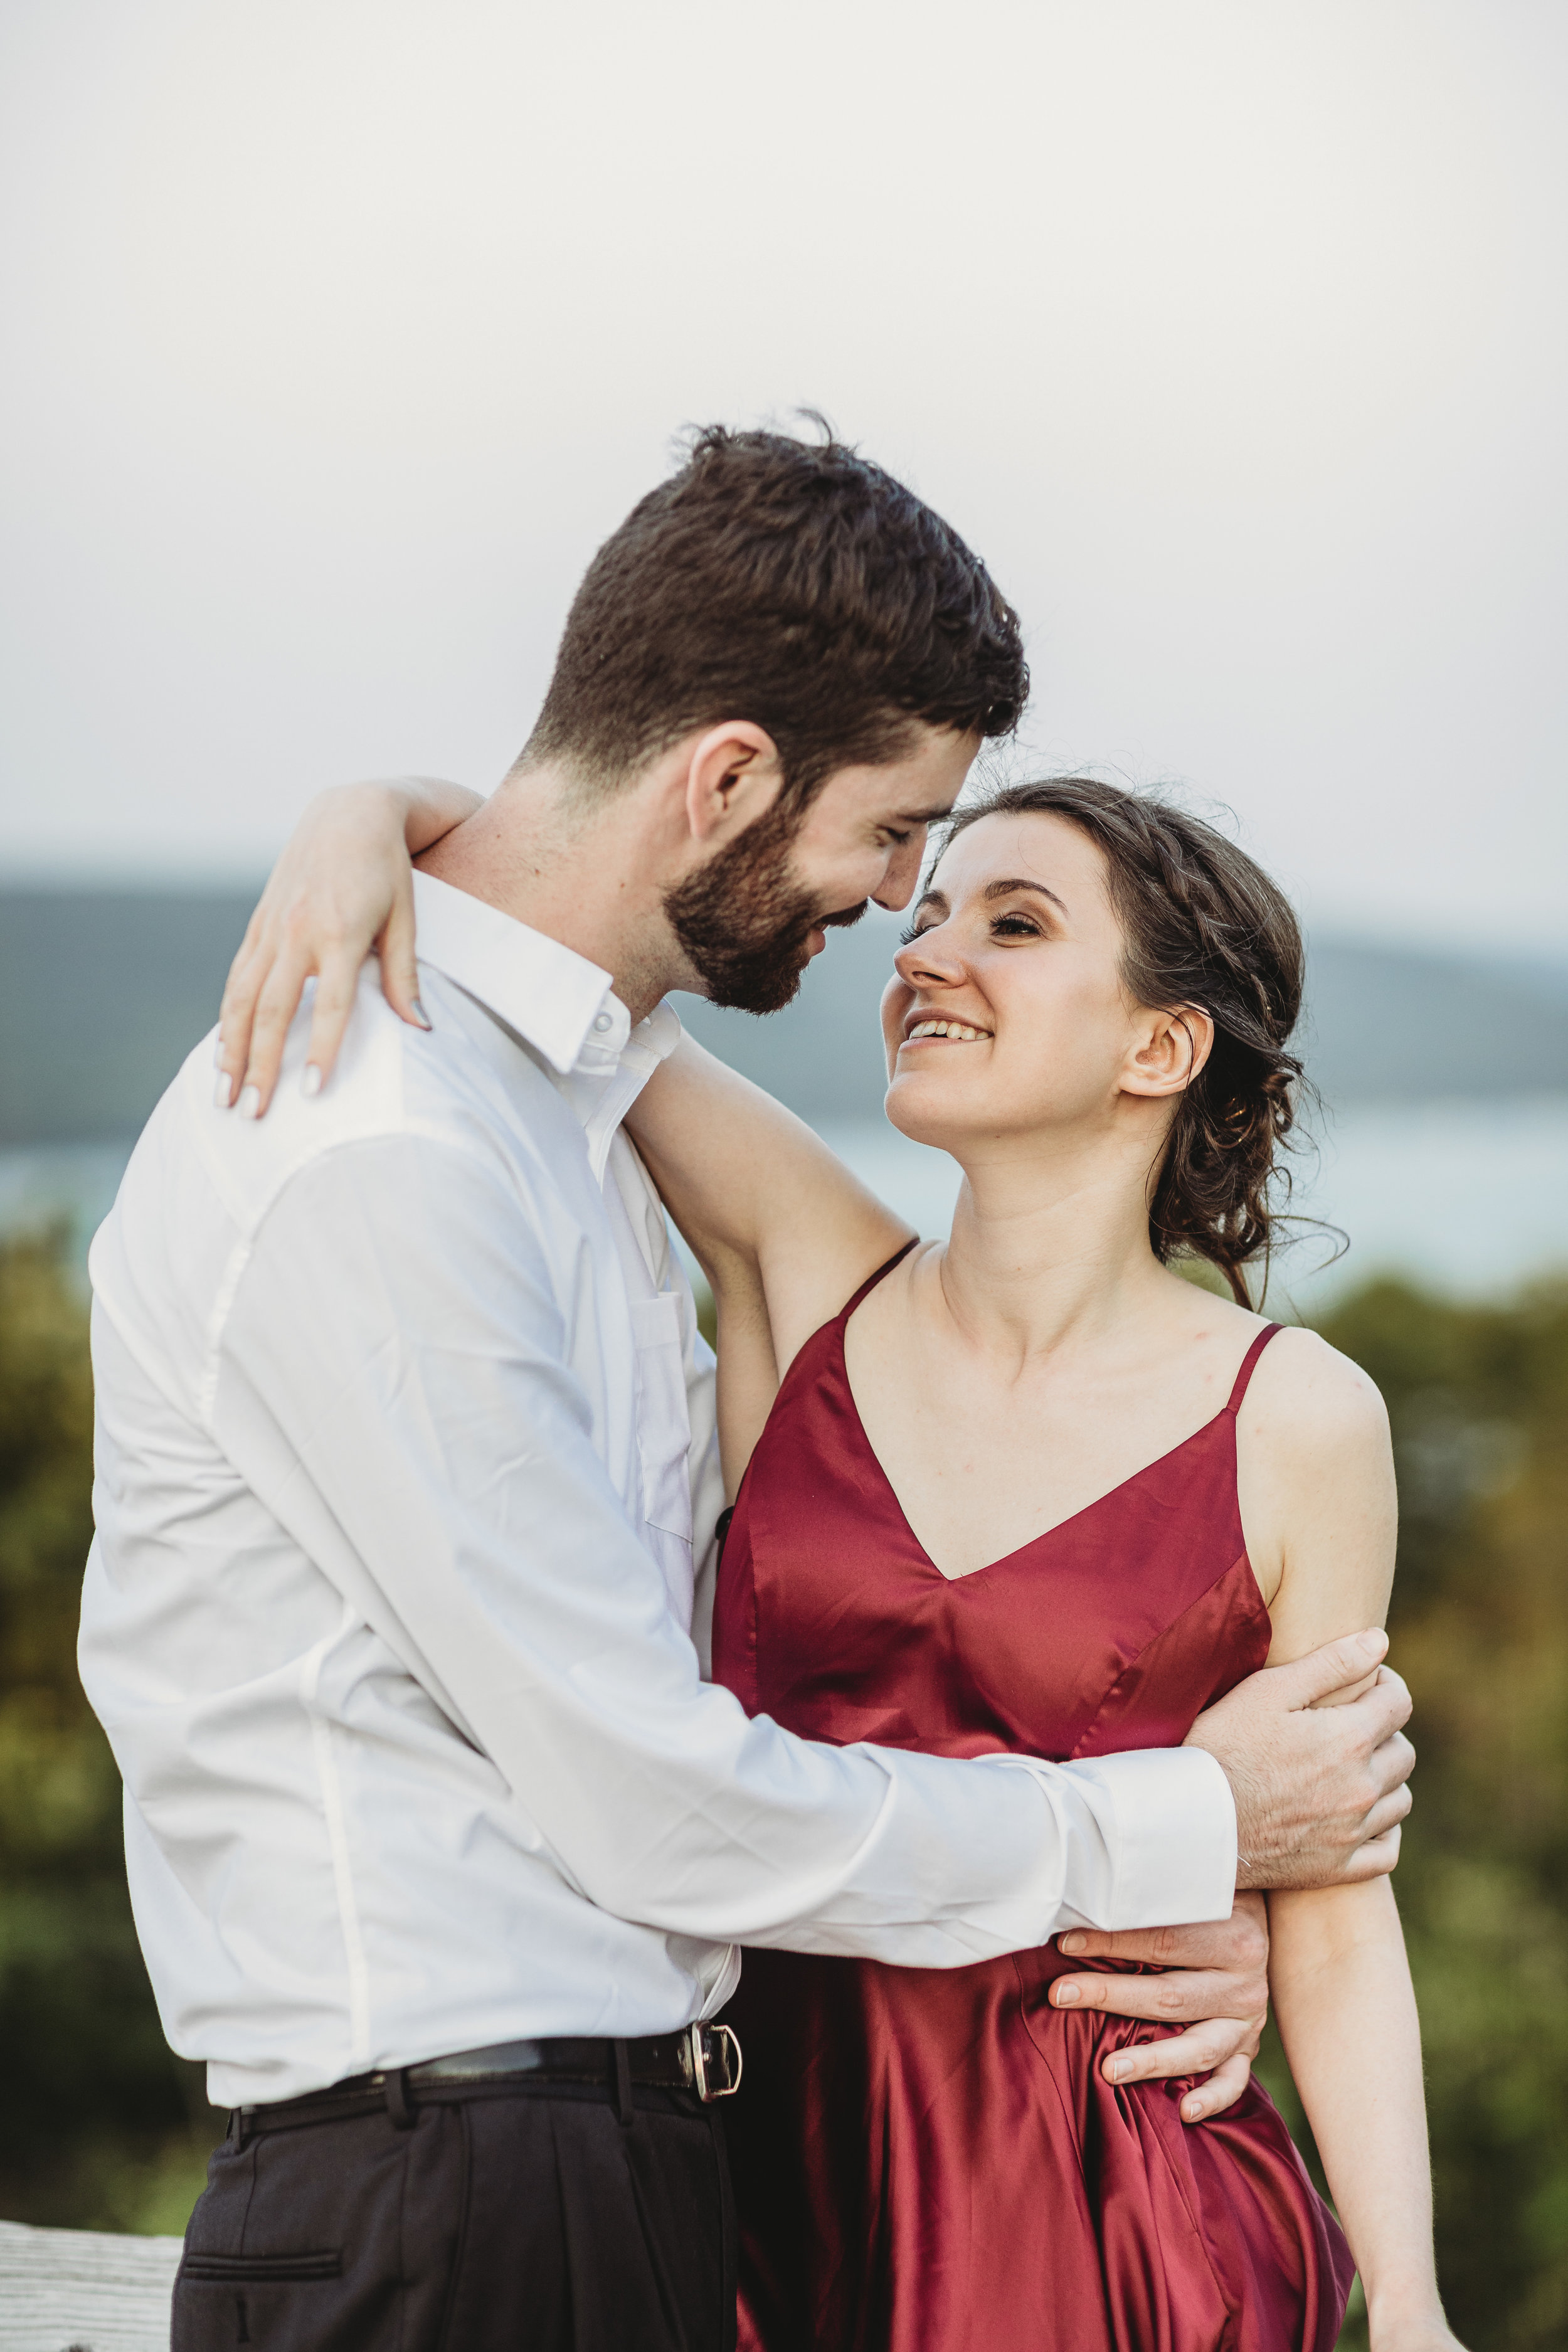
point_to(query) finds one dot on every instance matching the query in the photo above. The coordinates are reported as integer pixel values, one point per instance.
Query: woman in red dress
(1030, 1490)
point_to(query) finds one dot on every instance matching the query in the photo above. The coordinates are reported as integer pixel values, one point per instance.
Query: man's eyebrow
(926, 816)
(1021, 882)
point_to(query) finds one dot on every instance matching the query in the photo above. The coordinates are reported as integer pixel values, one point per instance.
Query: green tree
(1477, 1398)
(99, 2123)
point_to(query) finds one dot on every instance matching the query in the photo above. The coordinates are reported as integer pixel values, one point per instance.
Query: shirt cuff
(1174, 1840)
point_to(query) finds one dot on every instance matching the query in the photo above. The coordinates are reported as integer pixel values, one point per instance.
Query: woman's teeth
(957, 1030)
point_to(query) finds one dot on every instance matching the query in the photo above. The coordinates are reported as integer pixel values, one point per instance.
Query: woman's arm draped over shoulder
(1318, 1499)
(784, 1232)
(343, 885)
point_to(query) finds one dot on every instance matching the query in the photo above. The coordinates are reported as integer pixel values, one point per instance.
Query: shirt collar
(556, 999)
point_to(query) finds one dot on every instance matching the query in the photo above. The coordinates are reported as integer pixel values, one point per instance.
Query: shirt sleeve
(392, 1379)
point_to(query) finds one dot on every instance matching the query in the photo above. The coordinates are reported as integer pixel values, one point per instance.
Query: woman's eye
(1016, 927)
(915, 931)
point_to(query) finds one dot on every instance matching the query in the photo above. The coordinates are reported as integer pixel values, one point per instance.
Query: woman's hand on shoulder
(341, 889)
(1315, 1481)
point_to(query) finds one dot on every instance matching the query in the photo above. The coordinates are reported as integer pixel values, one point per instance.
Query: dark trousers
(500, 2219)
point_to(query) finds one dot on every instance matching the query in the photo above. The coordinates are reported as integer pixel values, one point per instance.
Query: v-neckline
(967, 1575)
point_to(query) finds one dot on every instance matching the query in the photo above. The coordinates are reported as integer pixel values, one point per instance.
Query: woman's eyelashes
(1003, 927)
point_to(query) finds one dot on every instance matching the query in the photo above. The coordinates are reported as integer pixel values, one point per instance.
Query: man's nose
(901, 873)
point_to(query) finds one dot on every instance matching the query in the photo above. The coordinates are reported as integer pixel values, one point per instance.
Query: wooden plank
(84, 2290)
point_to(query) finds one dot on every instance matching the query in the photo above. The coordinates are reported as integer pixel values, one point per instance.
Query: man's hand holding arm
(1320, 1790)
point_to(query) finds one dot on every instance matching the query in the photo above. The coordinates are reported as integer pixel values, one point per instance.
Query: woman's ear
(1168, 1051)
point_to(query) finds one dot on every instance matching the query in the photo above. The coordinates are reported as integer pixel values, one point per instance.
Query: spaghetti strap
(1248, 1364)
(872, 1280)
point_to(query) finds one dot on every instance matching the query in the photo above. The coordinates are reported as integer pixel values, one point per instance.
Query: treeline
(100, 2127)
(1479, 1400)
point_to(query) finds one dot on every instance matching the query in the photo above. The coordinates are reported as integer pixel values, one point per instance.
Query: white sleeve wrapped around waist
(392, 1382)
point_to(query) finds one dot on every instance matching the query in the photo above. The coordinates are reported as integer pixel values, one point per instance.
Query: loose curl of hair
(1205, 928)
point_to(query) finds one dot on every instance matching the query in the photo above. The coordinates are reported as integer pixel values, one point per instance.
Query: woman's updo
(1204, 927)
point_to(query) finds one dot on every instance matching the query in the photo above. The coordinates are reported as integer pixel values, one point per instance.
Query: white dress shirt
(402, 1415)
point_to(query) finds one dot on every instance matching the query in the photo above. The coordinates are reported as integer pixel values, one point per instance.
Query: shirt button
(602, 1021)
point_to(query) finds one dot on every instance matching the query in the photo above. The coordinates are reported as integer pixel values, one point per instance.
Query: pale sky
(1233, 334)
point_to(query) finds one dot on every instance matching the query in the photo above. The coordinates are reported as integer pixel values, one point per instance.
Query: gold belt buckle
(695, 2056)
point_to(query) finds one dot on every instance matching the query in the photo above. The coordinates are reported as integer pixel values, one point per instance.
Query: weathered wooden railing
(83, 2291)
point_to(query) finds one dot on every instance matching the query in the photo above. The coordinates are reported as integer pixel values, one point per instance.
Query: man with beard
(439, 1843)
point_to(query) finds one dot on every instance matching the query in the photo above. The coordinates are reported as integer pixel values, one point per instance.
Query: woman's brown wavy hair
(1204, 927)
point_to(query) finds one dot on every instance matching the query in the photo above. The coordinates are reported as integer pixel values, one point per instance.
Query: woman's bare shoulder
(1306, 1397)
(1315, 1484)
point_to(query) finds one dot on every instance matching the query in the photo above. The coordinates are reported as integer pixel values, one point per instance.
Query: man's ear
(733, 773)
(1169, 1050)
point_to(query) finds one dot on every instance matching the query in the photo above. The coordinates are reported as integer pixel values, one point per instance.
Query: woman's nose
(927, 961)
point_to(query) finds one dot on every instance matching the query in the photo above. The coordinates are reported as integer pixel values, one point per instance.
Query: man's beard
(745, 919)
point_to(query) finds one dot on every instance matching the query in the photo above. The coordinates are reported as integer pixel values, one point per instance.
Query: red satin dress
(929, 2159)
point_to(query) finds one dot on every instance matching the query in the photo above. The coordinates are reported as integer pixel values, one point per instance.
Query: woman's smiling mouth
(957, 1033)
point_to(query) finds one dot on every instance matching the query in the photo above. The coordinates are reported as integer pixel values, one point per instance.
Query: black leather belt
(702, 2058)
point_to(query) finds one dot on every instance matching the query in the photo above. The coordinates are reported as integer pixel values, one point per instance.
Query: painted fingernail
(422, 1016)
(1067, 1994)
(1073, 1943)
(311, 1084)
(250, 1103)
(223, 1093)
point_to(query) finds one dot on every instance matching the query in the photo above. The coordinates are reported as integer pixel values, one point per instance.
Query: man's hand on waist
(1215, 1986)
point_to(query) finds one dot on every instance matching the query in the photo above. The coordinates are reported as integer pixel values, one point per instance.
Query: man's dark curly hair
(1203, 926)
(790, 583)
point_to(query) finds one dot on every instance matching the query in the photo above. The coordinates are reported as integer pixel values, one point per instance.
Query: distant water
(1470, 1196)
(75, 1182)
